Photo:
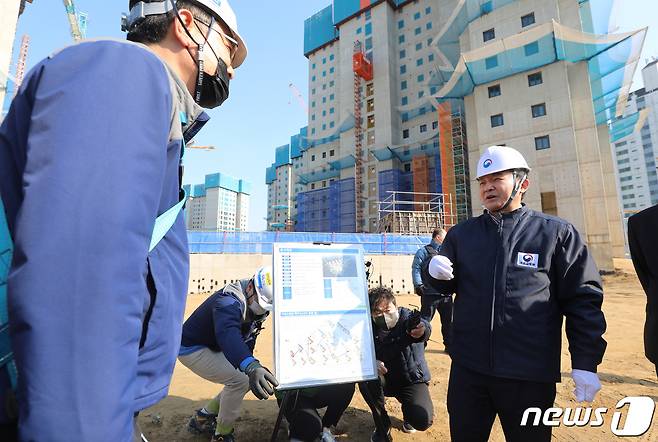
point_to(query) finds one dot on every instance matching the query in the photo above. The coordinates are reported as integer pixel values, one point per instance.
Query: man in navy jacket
(517, 274)
(90, 156)
(218, 344)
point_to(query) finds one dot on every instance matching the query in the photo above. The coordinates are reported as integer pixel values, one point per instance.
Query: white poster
(322, 325)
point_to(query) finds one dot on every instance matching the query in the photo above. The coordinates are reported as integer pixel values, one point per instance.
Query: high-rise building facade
(449, 79)
(220, 203)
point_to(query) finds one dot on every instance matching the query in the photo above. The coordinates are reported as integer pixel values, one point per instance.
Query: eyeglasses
(233, 43)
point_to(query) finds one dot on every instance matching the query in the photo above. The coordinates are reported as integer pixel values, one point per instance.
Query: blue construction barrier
(262, 242)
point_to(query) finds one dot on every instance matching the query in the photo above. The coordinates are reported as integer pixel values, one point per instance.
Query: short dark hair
(438, 232)
(154, 28)
(378, 294)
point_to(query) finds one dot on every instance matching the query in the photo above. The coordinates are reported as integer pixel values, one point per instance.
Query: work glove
(261, 381)
(440, 267)
(420, 290)
(587, 385)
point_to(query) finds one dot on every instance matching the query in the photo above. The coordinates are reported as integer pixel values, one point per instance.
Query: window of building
(419, 62)
(417, 16)
(531, 49)
(313, 117)
(428, 10)
(549, 203)
(419, 46)
(371, 121)
(324, 113)
(331, 83)
(400, 24)
(332, 153)
(494, 91)
(535, 79)
(331, 96)
(331, 57)
(324, 87)
(324, 99)
(401, 39)
(528, 19)
(324, 154)
(491, 62)
(368, 28)
(538, 110)
(370, 89)
(368, 16)
(497, 120)
(428, 26)
(405, 133)
(404, 101)
(371, 138)
(324, 126)
(407, 167)
(331, 110)
(420, 78)
(423, 128)
(489, 34)
(420, 94)
(403, 85)
(359, 30)
(417, 31)
(312, 157)
(403, 69)
(403, 53)
(313, 187)
(542, 142)
(430, 58)
(368, 43)
(313, 78)
(370, 107)
(331, 70)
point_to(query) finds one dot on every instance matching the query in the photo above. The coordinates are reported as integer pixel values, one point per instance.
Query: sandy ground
(624, 372)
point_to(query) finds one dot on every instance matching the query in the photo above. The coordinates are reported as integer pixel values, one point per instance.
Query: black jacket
(643, 242)
(515, 279)
(403, 356)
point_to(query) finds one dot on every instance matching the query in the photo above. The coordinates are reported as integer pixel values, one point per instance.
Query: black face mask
(212, 90)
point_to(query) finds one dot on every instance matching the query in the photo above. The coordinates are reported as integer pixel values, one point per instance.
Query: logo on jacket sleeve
(530, 260)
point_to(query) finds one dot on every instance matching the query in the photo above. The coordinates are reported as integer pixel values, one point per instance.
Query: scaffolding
(362, 68)
(415, 213)
(455, 178)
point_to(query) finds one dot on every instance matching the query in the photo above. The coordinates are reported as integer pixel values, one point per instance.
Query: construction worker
(516, 273)
(218, 343)
(643, 243)
(430, 299)
(400, 338)
(301, 411)
(90, 174)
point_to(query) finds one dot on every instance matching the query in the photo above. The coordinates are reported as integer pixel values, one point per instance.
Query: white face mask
(256, 308)
(387, 321)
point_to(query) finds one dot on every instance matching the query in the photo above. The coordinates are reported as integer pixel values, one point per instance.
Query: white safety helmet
(263, 286)
(500, 158)
(219, 8)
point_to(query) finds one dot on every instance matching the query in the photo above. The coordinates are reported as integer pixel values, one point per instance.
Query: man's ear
(524, 185)
(178, 29)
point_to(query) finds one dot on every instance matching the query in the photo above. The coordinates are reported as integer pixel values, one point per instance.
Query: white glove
(587, 385)
(440, 267)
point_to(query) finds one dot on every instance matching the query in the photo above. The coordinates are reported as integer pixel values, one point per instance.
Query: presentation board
(322, 324)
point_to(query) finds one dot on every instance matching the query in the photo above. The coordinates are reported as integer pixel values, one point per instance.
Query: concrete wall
(210, 272)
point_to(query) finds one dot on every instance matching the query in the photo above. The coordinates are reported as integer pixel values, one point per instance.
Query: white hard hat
(219, 8)
(263, 286)
(500, 158)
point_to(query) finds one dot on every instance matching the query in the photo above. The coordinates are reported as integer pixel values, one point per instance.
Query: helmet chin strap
(515, 191)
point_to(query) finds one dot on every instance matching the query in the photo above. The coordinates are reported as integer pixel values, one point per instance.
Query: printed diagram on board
(330, 343)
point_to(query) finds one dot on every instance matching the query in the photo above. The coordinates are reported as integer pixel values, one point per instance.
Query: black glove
(420, 290)
(413, 321)
(261, 381)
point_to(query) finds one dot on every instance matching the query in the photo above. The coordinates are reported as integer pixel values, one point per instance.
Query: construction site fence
(262, 242)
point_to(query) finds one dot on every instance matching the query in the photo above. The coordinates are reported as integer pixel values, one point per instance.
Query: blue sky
(261, 112)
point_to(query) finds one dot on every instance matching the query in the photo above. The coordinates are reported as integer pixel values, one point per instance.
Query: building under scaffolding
(412, 213)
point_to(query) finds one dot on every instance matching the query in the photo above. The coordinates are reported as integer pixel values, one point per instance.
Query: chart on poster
(322, 326)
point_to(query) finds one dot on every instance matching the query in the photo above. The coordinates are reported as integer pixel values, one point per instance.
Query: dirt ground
(624, 372)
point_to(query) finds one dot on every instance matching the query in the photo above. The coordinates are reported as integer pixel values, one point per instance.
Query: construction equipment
(74, 20)
(362, 68)
(20, 63)
(299, 97)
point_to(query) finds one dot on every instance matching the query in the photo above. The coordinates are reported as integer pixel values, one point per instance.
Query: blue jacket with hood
(89, 157)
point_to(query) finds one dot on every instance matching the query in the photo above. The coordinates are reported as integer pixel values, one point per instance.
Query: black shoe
(379, 437)
(202, 423)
